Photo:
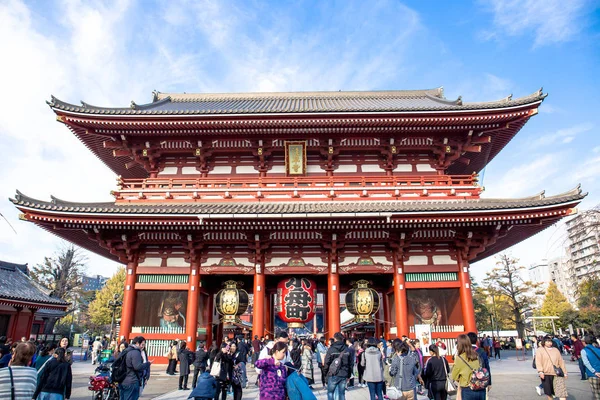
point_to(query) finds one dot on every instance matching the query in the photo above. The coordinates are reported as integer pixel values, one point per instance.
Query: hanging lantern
(231, 301)
(296, 301)
(362, 301)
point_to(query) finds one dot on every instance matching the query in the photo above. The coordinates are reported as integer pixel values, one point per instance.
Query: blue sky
(109, 53)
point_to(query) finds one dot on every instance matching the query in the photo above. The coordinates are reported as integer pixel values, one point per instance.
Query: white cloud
(565, 135)
(550, 21)
(517, 181)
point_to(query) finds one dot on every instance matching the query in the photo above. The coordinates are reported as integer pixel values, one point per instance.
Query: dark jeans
(468, 394)
(335, 384)
(497, 352)
(183, 380)
(237, 391)
(221, 389)
(361, 371)
(375, 389)
(582, 368)
(171, 367)
(197, 371)
(323, 377)
(438, 390)
(129, 392)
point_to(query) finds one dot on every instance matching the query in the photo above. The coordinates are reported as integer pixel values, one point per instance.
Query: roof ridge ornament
(132, 105)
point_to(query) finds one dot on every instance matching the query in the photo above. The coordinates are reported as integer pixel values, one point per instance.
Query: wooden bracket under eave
(60, 118)
(23, 217)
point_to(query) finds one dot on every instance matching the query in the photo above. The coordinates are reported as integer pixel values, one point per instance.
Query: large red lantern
(296, 301)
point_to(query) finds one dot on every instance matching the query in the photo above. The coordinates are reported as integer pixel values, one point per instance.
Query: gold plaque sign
(295, 158)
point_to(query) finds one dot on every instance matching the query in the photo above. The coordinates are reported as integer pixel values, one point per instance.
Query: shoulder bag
(450, 387)
(215, 369)
(557, 370)
(12, 384)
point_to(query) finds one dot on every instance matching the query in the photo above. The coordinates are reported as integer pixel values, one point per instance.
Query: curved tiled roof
(297, 103)
(300, 207)
(15, 284)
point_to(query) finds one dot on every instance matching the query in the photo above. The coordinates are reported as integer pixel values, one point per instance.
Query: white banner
(423, 334)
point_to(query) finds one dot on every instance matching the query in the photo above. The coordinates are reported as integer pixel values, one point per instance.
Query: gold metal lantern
(362, 301)
(231, 301)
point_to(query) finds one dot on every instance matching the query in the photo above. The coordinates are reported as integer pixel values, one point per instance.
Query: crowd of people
(35, 370)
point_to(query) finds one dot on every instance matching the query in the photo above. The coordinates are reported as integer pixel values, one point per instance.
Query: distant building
(561, 273)
(584, 247)
(540, 273)
(93, 283)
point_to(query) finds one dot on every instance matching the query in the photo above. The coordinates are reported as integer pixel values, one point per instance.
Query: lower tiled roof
(15, 284)
(300, 207)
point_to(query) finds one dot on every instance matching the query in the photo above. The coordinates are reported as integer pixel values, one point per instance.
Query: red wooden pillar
(129, 297)
(191, 317)
(15, 322)
(30, 323)
(401, 308)
(386, 316)
(325, 315)
(333, 295)
(466, 296)
(209, 319)
(268, 313)
(258, 318)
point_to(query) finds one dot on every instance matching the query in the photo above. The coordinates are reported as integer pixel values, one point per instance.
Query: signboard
(519, 343)
(423, 334)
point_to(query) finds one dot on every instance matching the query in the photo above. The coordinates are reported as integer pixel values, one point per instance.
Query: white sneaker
(539, 390)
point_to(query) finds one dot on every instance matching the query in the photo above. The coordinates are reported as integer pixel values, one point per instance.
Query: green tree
(99, 312)
(507, 280)
(556, 304)
(62, 274)
(480, 306)
(588, 292)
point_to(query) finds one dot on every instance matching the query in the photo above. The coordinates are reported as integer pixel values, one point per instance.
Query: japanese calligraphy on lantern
(297, 299)
(295, 158)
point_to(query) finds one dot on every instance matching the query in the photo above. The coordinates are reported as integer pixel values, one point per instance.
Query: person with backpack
(372, 362)
(466, 363)
(590, 356)
(483, 357)
(405, 369)
(56, 379)
(185, 359)
(200, 363)
(128, 370)
(337, 368)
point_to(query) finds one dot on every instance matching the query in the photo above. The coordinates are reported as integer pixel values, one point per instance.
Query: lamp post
(113, 304)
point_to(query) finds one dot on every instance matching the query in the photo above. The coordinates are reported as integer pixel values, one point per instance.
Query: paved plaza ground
(512, 379)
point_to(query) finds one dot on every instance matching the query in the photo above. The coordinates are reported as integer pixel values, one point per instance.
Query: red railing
(298, 187)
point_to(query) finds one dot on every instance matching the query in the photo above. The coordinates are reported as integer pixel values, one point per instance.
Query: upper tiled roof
(300, 207)
(15, 284)
(297, 103)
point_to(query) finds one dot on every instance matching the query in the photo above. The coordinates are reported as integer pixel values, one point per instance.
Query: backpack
(119, 366)
(336, 365)
(480, 378)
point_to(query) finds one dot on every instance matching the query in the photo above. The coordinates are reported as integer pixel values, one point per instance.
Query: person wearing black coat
(336, 382)
(200, 363)
(184, 356)
(225, 372)
(436, 371)
(56, 378)
(296, 355)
